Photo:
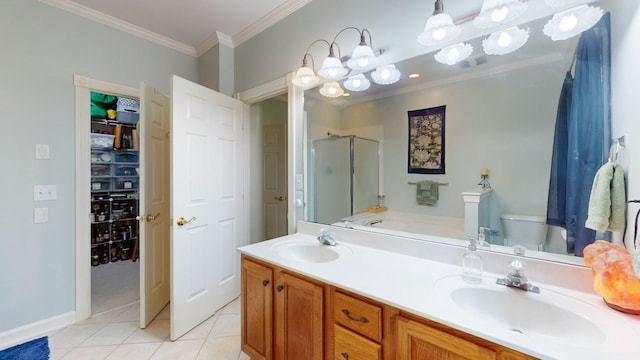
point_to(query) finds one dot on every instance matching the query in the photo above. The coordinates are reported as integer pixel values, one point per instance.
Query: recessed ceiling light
(414, 76)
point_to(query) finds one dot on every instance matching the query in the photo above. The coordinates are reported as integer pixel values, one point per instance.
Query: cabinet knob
(265, 282)
(280, 288)
(345, 355)
(182, 221)
(280, 198)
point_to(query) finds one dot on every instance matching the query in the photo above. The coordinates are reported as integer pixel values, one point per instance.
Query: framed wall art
(426, 141)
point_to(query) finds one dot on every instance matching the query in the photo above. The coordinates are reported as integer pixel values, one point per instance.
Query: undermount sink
(548, 315)
(310, 251)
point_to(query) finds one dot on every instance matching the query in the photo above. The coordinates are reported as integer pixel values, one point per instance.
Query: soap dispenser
(472, 264)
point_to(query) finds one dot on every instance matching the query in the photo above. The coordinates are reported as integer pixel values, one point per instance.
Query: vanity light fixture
(497, 12)
(357, 83)
(454, 53)
(305, 76)
(505, 41)
(333, 69)
(362, 58)
(386, 75)
(331, 89)
(439, 27)
(569, 23)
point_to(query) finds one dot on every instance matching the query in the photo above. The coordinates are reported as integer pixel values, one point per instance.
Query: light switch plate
(40, 215)
(45, 192)
(42, 152)
(298, 180)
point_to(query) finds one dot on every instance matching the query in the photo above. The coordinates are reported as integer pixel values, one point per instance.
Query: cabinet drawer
(351, 346)
(358, 315)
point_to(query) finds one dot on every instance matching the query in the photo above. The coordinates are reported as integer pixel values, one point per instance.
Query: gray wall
(279, 49)
(42, 48)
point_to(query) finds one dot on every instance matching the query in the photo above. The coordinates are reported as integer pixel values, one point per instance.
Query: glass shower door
(332, 168)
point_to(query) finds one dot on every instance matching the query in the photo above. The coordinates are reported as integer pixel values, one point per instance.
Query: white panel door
(206, 203)
(155, 222)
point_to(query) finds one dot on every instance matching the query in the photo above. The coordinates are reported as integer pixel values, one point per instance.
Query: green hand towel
(607, 201)
(618, 200)
(427, 192)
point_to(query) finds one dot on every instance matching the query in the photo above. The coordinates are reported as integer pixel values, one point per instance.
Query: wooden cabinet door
(299, 319)
(417, 341)
(257, 310)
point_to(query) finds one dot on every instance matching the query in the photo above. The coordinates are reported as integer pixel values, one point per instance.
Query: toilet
(525, 230)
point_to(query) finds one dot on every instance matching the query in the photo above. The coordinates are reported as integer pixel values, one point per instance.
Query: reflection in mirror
(500, 115)
(345, 177)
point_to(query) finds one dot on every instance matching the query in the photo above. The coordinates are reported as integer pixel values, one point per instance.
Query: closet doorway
(121, 188)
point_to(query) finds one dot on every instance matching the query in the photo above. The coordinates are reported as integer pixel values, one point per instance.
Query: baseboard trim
(35, 330)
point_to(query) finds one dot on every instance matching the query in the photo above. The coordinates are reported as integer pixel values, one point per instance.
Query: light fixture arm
(304, 58)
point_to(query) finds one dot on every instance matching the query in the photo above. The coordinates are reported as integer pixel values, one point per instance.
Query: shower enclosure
(344, 177)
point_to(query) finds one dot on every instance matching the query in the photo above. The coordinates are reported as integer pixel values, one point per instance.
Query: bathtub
(400, 223)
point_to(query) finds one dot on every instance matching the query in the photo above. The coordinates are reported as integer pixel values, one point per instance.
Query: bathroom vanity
(375, 296)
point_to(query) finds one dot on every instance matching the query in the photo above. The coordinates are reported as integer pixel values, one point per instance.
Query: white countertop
(405, 274)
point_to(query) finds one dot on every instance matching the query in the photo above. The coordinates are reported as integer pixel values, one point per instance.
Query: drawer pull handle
(345, 355)
(265, 282)
(363, 319)
(280, 288)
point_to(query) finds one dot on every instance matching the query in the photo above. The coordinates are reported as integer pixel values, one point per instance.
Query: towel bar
(439, 183)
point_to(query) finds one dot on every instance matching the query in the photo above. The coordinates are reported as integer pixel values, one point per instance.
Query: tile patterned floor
(116, 335)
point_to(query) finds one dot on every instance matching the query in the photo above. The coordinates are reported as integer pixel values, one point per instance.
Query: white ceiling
(191, 26)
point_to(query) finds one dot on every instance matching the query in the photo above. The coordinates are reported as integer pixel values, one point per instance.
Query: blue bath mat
(37, 349)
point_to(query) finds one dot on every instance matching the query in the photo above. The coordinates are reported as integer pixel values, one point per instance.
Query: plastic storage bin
(102, 170)
(100, 184)
(128, 110)
(127, 156)
(101, 156)
(126, 170)
(102, 140)
(125, 183)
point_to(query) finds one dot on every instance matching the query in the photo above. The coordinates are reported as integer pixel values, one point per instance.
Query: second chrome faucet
(516, 278)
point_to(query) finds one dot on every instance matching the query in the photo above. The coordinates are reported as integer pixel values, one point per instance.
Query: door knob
(152, 217)
(280, 198)
(182, 221)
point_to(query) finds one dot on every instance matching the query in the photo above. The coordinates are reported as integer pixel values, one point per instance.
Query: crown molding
(283, 10)
(113, 22)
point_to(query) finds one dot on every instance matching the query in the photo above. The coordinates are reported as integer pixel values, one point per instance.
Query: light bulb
(363, 61)
(504, 39)
(356, 83)
(306, 79)
(453, 54)
(568, 23)
(332, 90)
(385, 74)
(498, 15)
(439, 33)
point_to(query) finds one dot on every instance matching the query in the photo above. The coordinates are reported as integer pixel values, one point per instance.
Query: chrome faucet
(516, 278)
(326, 239)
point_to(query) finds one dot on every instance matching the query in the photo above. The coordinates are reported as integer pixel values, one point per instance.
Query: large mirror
(500, 116)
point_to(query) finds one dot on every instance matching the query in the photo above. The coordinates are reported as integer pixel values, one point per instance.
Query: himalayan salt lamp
(614, 277)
